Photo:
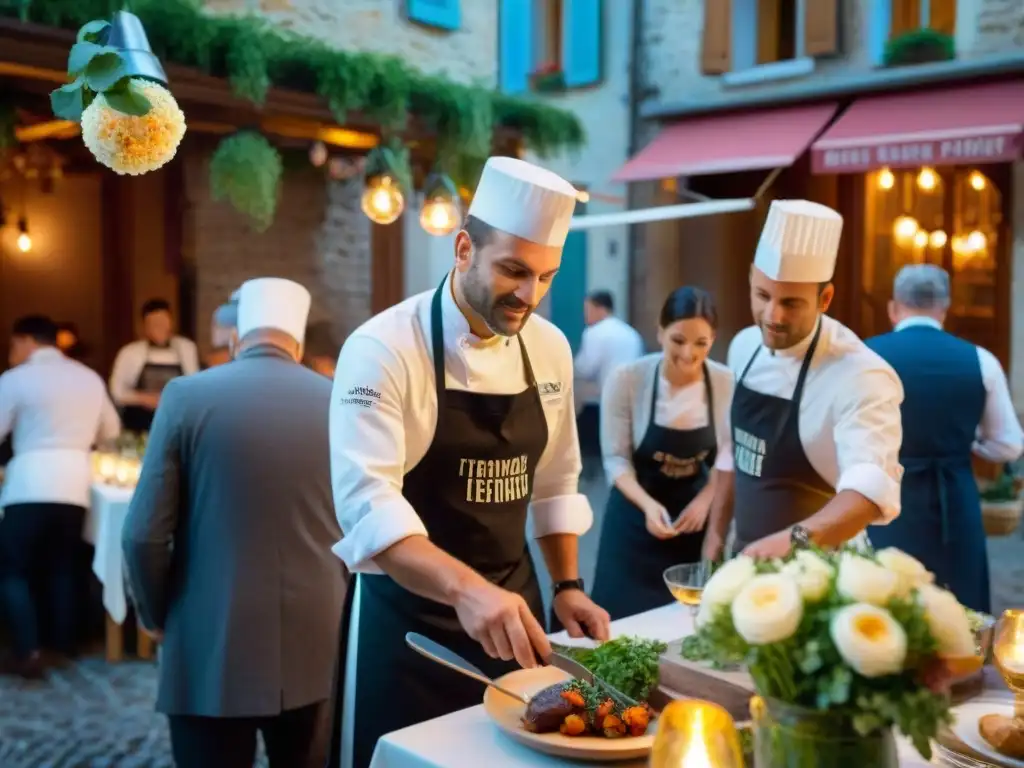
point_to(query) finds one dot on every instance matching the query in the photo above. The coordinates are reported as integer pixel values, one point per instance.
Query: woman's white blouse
(626, 411)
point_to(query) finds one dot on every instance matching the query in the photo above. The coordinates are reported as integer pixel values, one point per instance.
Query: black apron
(775, 485)
(471, 490)
(152, 378)
(672, 465)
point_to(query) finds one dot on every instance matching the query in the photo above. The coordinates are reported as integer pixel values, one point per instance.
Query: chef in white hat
(452, 416)
(229, 534)
(222, 327)
(815, 416)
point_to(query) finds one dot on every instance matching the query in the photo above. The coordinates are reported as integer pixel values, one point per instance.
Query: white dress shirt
(1000, 438)
(605, 346)
(132, 358)
(384, 413)
(57, 409)
(626, 411)
(849, 422)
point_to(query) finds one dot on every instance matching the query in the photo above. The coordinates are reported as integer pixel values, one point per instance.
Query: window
(749, 41)
(951, 217)
(545, 40)
(908, 15)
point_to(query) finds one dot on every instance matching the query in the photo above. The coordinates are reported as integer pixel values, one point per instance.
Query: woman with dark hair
(664, 428)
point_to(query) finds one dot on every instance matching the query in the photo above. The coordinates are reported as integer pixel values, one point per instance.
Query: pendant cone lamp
(127, 34)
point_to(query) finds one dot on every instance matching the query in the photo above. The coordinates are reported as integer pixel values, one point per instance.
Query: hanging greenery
(919, 46)
(245, 171)
(254, 55)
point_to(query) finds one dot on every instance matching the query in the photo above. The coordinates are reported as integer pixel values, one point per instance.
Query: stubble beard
(480, 299)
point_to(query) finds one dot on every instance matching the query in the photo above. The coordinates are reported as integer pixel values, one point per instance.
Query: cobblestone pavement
(98, 715)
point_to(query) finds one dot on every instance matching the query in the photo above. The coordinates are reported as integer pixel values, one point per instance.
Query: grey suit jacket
(228, 540)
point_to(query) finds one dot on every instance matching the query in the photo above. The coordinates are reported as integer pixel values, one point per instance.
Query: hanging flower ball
(134, 145)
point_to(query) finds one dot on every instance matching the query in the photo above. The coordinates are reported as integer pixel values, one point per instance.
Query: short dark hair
(39, 328)
(155, 305)
(480, 232)
(602, 299)
(687, 303)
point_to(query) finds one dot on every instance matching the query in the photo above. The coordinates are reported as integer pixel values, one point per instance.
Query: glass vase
(790, 736)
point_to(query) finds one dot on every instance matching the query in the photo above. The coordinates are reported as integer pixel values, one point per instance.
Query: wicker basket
(1001, 518)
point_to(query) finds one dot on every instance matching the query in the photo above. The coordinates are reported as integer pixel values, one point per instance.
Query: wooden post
(144, 645)
(115, 641)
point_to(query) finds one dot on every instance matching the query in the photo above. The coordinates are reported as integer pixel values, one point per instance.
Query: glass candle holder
(696, 734)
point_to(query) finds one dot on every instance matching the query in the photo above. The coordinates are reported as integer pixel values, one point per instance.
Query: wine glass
(1008, 653)
(696, 733)
(686, 583)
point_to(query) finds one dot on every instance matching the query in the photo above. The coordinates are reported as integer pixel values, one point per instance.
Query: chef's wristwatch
(563, 586)
(799, 537)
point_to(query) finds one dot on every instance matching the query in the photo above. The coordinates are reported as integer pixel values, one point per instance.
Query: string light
(24, 239)
(927, 179)
(937, 239)
(978, 181)
(886, 179)
(441, 212)
(383, 201)
(920, 238)
(905, 227)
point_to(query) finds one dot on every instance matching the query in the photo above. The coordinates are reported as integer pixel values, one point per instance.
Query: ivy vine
(246, 171)
(253, 55)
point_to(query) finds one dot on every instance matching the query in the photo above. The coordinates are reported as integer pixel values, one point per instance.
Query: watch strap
(567, 584)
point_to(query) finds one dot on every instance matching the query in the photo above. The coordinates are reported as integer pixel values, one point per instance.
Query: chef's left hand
(695, 516)
(573, 608)
(776, 545)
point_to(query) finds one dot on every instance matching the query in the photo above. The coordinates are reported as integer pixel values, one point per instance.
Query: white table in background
(468, 739)
(103, 525)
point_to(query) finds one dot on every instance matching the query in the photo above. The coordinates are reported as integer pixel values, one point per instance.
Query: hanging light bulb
(383, 201)
(978, 181)
(937, 239)
(24, 240)
(441, 212)
(905, 227)
(927, 179)
(920, 238)
(976, 241)
(886, 179)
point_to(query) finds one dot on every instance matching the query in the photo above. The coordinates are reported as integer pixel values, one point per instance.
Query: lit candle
(107, 467)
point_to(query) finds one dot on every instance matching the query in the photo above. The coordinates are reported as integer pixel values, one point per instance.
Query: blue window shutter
(443, 14)
(515, 41)
(582, 44)
(878, 27)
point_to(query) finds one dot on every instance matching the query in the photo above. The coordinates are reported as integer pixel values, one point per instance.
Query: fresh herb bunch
(629, 664)
(857, 635)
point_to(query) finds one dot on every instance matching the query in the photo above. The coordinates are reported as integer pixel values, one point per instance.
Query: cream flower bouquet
(842, 647)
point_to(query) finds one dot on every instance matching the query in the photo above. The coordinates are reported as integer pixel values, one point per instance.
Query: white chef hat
(273, 302)
(524, 200)
(799, 242)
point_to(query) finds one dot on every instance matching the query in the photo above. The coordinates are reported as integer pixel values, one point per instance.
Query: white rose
(948, 621)
(910, 572)
(869, 639)
(768, 609)
(811, 573)
(727, 581)
(865, 581)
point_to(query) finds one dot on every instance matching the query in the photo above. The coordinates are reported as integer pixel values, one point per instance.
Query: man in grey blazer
(228, 547)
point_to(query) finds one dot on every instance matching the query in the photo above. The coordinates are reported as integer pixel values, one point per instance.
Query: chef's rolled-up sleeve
(557, 506)
(868, 434)
(367, 437)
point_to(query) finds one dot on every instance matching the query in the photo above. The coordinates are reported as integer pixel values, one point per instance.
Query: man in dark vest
(956, 403)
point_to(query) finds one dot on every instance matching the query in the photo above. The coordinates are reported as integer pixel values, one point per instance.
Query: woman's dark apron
(152, 378)
(672, 465)
(471, 490)
(775, 485)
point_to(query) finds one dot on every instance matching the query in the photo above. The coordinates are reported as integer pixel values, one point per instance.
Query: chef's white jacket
(604, 346)
(57, 409)
(850, 425)
(1000, 438)
(134, 356)
(384, 412)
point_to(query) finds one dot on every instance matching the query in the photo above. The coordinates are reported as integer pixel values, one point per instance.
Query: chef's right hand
(714, 545)
(502, 623)
(659, 524)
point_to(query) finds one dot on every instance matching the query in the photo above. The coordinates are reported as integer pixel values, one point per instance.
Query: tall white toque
(524, 200)
(799, 242)
(273, 302)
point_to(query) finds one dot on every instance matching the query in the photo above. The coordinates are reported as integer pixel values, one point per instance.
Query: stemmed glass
(686, 583)
(1008, 653)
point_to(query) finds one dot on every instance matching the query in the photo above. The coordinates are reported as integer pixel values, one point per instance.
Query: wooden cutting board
(680, 678)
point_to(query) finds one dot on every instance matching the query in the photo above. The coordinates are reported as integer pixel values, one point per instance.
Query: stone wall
(672, 42)
(469, 54)
(319, 238)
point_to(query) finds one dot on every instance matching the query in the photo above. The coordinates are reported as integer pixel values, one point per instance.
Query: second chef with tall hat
(815, 416)
(452, 415)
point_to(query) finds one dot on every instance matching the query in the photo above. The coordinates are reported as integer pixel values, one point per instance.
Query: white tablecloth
(468, 739)
(103, 524)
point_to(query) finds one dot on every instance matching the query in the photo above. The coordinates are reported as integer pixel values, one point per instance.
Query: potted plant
(842, 647)
(548, 78)
(919, 46)
(1001, 506)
